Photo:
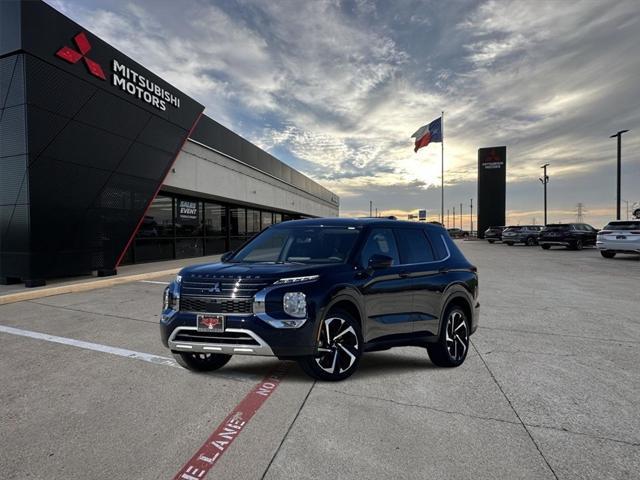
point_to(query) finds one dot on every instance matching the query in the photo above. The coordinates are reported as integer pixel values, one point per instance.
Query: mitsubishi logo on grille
(74, 56)
(215, 288)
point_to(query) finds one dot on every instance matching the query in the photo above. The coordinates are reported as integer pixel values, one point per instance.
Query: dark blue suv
(323, 292)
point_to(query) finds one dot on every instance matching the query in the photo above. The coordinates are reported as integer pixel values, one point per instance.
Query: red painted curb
(223, 436)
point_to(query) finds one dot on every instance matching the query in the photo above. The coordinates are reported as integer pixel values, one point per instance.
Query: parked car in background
(457, 233)
(527, 234)
(575, 236)
(493, 234)
(620, 236)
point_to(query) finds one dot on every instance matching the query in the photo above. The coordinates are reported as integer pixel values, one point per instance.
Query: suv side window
(381, 242)
(437, 243)
(414, 246)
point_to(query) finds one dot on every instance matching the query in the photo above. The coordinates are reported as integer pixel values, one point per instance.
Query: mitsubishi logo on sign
(74, 56)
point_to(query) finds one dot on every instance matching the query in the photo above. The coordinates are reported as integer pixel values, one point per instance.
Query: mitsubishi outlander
(323, 292)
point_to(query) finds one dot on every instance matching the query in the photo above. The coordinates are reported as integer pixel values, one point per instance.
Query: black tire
(491, 241)
(530, 242)
(201, 362)
(577, 245)
(607, 254)
(545, 246)
(451, 348)
(509, 243)
(339, 348)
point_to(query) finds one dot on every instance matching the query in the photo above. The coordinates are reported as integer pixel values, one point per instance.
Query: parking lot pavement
(549, 390)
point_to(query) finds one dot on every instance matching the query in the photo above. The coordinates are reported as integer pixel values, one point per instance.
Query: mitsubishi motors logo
(73, 56)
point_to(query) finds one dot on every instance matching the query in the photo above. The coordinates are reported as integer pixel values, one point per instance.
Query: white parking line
(121, 352)
(154, 282)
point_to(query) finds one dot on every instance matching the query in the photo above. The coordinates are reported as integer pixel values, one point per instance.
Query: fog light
(295, 304)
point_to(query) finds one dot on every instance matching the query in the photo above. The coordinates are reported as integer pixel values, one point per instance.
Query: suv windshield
(630, 225)
(299, 245)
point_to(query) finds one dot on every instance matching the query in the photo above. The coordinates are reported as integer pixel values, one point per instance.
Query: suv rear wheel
(201, 362)
(545, 246)
(577, 245)
(339, 348)
(607, 254)
(531, 242)
(453, 344)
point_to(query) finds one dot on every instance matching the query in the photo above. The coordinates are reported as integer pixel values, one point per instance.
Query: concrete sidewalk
(128, 273)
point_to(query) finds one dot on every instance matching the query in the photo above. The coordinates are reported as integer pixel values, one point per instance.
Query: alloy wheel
(457, 335)
(338, 346)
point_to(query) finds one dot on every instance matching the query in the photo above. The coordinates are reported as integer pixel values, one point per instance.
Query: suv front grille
(224, 287)
(216, 305)
(225, 338)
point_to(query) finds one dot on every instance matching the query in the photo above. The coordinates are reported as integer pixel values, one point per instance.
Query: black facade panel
(10, 26)
(84, 145)
(54, 89)
(13, 184)
(84, 158)
(112, 114)
(12, 81)
(12, 131)
(492, 177)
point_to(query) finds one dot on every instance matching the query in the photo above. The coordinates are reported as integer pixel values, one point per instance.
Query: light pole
(370, 208)
(454, 217)
(619, 136)
(448, 219)
(545, 180)
(471, 215)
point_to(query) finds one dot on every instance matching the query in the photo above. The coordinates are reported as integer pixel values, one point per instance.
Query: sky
(336, 88)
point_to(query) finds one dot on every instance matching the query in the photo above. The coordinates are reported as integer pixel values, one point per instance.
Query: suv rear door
(420, 262)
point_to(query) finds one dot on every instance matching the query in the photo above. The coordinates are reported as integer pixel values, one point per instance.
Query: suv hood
(280, 270)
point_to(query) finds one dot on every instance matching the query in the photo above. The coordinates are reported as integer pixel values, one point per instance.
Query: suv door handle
(443, 270)
(403, 274)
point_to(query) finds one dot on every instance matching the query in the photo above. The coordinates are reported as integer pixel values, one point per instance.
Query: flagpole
(442, 171)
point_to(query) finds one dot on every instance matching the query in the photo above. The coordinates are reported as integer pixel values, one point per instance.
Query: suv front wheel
(453, 344)
(339, 348)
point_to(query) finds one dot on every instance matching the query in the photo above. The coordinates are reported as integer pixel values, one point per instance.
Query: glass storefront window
(188, 220)
(267, 219)
(158, 221)
(277, 217)
(215, 220)
(238, 221)
(189, 247)
(253, 222)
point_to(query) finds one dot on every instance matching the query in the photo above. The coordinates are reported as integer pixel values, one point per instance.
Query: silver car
(620, 236)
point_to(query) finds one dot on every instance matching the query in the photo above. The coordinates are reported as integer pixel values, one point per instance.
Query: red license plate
(210, 323)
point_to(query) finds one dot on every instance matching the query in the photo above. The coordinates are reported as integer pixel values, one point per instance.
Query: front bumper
(243, 335)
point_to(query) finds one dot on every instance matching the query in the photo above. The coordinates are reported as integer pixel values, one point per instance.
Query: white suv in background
(620, 236)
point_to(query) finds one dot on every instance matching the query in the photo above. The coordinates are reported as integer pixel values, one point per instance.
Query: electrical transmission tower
(580, 212)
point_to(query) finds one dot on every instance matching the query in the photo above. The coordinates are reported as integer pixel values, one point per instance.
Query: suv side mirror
(226, 256)
(379, 262)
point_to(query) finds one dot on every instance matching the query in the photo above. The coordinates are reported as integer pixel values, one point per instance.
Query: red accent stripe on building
(146, 209)
(223, 436)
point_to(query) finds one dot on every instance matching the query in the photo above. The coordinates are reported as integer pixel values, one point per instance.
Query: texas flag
(427, 134)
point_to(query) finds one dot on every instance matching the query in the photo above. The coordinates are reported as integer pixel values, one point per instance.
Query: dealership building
(103, 163)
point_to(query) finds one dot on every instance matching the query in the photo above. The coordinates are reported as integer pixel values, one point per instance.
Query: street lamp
(619, 136)
(545, 180)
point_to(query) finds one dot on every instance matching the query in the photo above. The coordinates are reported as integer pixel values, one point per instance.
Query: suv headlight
(295, 304)
(170, 300)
